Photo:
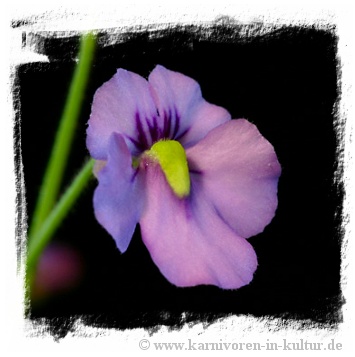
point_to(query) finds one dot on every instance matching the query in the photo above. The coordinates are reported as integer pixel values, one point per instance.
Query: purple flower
(197, 182)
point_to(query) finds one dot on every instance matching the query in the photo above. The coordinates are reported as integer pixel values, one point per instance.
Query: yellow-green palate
(172, 159)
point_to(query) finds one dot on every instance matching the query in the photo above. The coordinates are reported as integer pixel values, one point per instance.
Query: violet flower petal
(189, 242)
(117, 106)
(192, 117)
(119, 197)
(239, 175)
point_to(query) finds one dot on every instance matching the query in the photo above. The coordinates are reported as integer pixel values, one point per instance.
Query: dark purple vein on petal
(177, 122)
(137, 144)
(141, 134)
(167, 126)
(182, 134)
(195, 172)
(159, 129)
(153, 129)
(134, 174)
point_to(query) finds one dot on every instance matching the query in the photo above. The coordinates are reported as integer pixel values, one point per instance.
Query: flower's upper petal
(189, 242)
(239, 171)
(119, 197)
(120, 105)
(179, 99)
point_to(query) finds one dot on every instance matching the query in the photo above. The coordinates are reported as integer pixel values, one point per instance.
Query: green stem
(40, 238)
(54, 173)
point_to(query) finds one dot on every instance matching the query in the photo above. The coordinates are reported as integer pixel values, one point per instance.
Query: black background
(286, 83)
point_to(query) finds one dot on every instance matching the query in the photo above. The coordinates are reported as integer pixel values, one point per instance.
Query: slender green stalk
(54, 173)
(41, 237)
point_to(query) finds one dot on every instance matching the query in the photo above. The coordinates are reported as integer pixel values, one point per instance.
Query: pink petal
(118, 105)
(239, 174)
(175, 92)
(189, 242)
(119, 197)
